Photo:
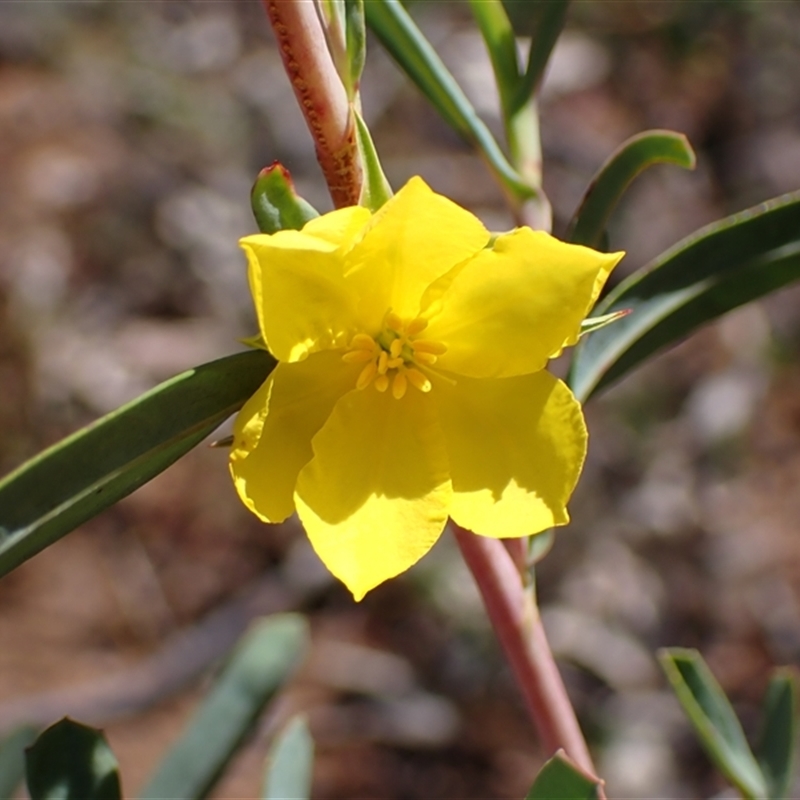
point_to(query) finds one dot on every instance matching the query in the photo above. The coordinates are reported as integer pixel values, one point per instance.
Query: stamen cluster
(395, 357)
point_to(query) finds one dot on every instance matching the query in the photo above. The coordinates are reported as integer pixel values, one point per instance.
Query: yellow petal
(415, 238)
(512, 306)
(273, 432)
(302, 301)
(516, 447)
(374, 498)
(341, 227)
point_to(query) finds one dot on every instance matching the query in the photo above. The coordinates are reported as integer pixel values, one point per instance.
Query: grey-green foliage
(768, 777)
(260, 665)
(290, 763)
(12, 758)
(50, 495)
(777, 745)
(722, 266)
(632, 157)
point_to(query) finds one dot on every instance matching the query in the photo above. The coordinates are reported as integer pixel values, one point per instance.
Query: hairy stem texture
(320, 93)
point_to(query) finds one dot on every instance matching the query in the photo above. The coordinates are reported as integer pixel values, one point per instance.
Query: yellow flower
(411, 382)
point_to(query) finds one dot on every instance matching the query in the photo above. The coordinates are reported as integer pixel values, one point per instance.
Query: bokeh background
(130, 133)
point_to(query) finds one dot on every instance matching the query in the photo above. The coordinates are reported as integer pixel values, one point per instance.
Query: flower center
(396, 357)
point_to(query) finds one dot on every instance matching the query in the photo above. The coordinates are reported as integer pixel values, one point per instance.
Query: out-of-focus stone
(608, 651)
(721, 406)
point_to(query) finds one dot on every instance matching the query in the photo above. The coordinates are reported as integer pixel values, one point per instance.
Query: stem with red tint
(320, 93)
(516, 621)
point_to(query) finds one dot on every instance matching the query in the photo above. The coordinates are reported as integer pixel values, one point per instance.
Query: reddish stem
(516, 621)
(320, 93)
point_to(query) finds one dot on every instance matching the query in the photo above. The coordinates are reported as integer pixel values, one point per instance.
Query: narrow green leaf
(261, 663)
(276, 204)
(74, 480)
(346, 36)
(399, 34)
(356, 39)
(716, 269)
(70, 761)
(375, 190)
(561, 779)
(548, 20)
(332, 14)
(501, 45)
(520, 117)
(778, 740)
(290, 764)
(623, 165)
(714, 720)
(12, 758)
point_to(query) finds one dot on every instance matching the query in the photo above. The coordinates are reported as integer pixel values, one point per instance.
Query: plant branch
(515, 618)
(320, 93)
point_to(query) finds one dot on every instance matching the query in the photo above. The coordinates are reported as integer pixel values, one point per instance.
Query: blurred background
(130, 134)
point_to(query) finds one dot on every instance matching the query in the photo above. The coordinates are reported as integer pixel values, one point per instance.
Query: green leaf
(70, 761)
(290, 764)
(561, 779)
(501, 45)
(716, 269)
(778, 740)
(714, 720)
(345, 33)
(399, 34)
(260, 665)
(12, 758)
(631, 158)
(74, 480)
(520, 117)
(356, 40)
(375, 190)
(276, 204)
(548, 20)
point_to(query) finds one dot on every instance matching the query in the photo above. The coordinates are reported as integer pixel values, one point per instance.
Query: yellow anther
(425, 358)
(399, 385)
(394, 322)
(366, 375)
(428, 346)
(383, 362)
(418, 380)
(357, 356)
(393, 358)
(363, 341)
(416, 326)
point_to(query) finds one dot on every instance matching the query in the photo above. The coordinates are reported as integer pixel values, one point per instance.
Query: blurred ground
(129, 136)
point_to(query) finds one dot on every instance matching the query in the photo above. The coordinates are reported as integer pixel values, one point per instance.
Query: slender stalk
(320, 93)
(515, 617)
(524, 144)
